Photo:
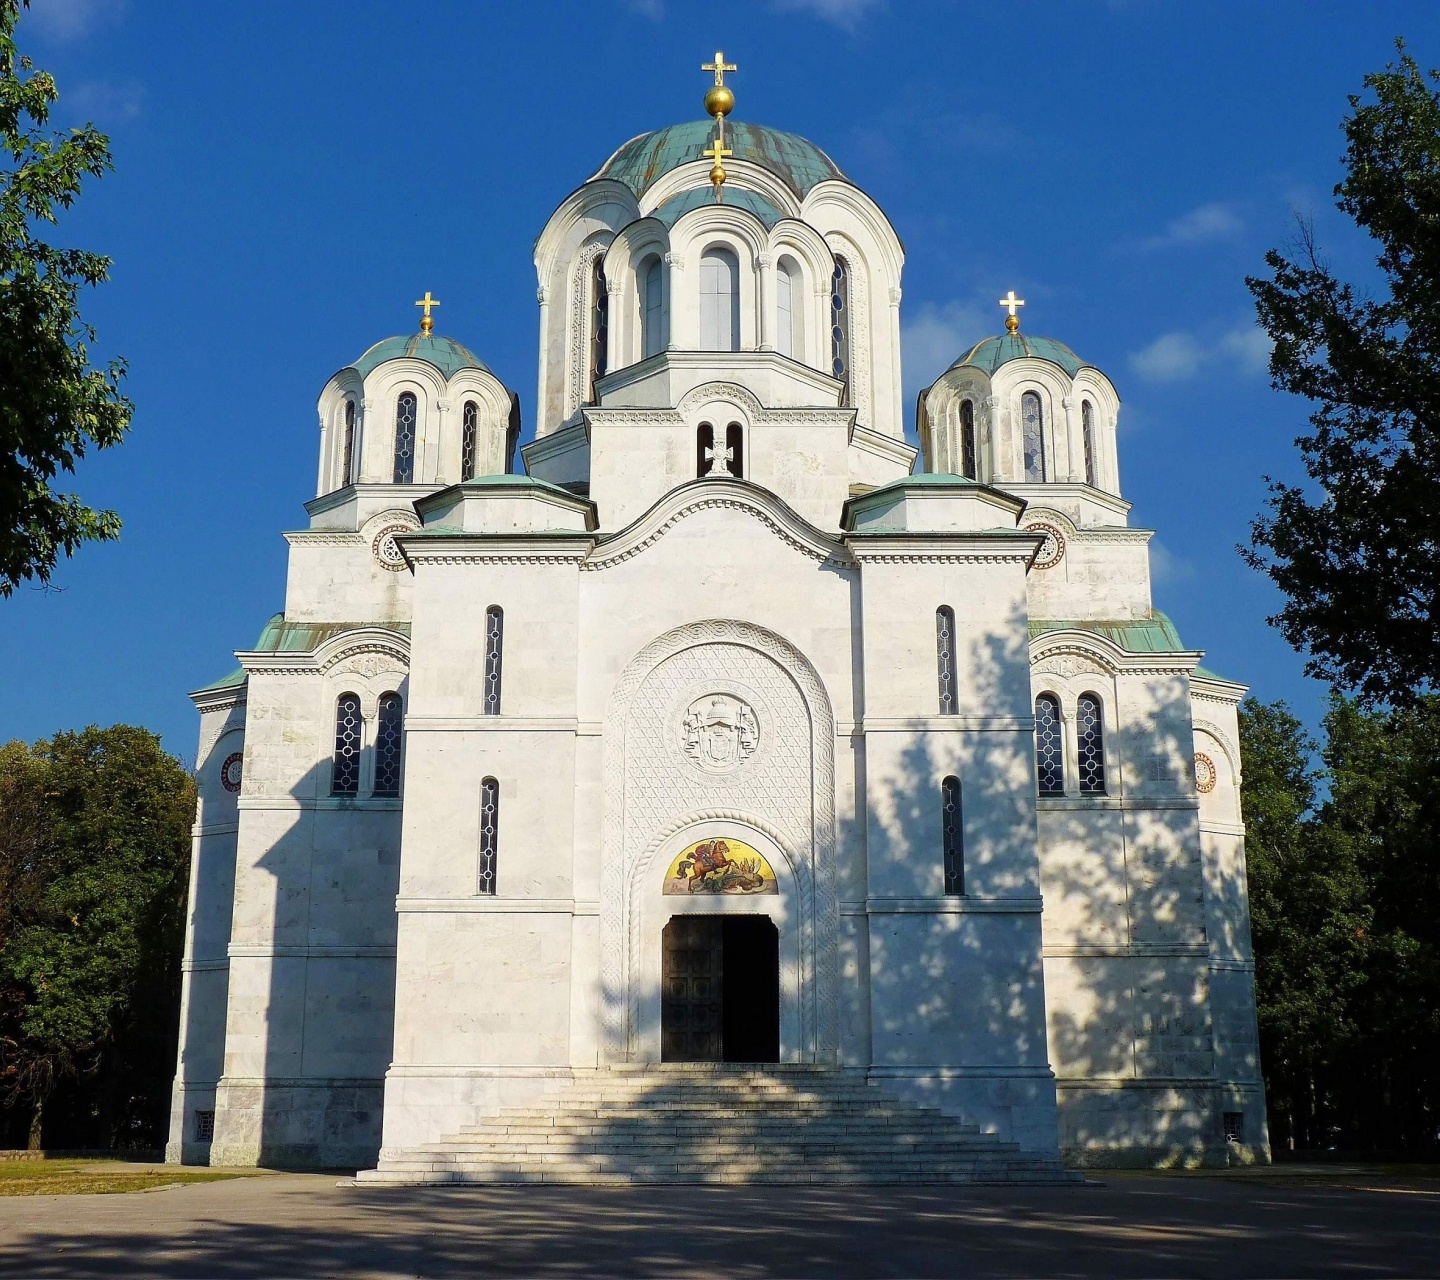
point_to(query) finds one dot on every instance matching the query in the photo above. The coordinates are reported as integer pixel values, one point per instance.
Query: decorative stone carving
(232, 771)
(1068, 664)
(385, 549)
(1205, 773)
(720, 733)
(1052, 550)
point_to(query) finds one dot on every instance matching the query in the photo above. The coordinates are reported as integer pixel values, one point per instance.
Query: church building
(718, 757)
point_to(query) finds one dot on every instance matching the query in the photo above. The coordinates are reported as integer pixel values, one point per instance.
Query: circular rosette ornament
(1205, 775)
(232, 771)
(1052, 550)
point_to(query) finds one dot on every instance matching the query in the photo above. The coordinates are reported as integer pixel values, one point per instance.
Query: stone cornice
(226, 699)
(324, 538)
(493, 548)
(1215, 689)
(358, 640)
(1109, 656)
(991, 546)
(868, 440)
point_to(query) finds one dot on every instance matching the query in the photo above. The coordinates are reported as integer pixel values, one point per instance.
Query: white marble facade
(390, 934)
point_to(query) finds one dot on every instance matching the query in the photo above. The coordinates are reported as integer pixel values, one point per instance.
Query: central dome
(797, 162)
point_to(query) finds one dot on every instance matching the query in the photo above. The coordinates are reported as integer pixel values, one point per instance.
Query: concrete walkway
(1271, 1224)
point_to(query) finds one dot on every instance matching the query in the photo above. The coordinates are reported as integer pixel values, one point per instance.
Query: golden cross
(719, 67)
(426, 323)
(1010, 302)
(717, 151)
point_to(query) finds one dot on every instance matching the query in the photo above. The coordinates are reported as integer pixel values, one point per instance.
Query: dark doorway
(720, 989)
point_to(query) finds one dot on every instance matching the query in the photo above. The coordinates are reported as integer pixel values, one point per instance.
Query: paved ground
(1347, 1224)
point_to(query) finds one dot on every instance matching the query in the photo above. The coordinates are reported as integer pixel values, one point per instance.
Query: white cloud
(72, 19)
(1208, 223)
(654, 9)
(1166, 568)
(843, 13)
(1178, 356)
(934, 338)
(104, 102)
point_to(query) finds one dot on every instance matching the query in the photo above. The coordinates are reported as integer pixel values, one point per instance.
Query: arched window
(945, 659)
(952, 836)
(1087, 427)
(347, 460)
(349, 730)
(735, 449)
(704, 449)
(1032, 420)
(1090, 745)
(789, 310)
(599, 324)
(967, 440)
(840, 325)
(652, 320)
(719, 301)
(494, 651)
(1049, 746)
(407, 410)
(469, 431)
(489, 834)
(388, 735)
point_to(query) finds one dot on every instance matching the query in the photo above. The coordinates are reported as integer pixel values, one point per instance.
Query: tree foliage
(1355, 552)
(53, 404)
(1345, 916)
(94, 856)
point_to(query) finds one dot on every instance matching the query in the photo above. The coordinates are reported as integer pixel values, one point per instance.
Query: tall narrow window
(407, 410)
(967, 440)
(735, 449)
(1049, 746)
(719, 301)
(489, 834)
(945, 659)
(1087, 427)
(653, 320)
(388, 736)
(840, 325)
(494, 651)
(789, 310)
(469, 433)
(349, 729)
(599, 325)
(1090, 744)
(704, 448)
(1032, 421)
(952, 835)
(347, 460)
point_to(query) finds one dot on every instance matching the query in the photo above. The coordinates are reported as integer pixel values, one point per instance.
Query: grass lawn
(97, 1177)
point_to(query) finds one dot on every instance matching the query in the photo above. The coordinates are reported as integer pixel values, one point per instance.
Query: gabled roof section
(1155, 634)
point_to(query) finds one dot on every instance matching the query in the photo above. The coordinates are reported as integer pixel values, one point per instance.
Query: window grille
(489, 833)
(1087, 428)
(349, 729)
(469, 430)
(945, 659)
(1234, 1122)
(1049, 746)
(840, 325)
(704, 447)
(952, 836)
(967, 440)
(347, 462)
(204, 1126)
(407, 409)
(494, 651)
(1032, 420)
(599, 325)
(388, 737)
(735, 443)
(654, 317)
(1090, 745)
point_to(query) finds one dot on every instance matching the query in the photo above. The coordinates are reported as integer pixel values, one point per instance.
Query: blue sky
(289, 177)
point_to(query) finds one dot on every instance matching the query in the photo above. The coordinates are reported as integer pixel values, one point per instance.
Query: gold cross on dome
(1010, 302)
(426, 323)
(719, 67)
(717, 151)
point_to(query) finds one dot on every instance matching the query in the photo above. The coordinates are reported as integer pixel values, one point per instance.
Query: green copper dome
(800, 164)
(991, 353)
(445, 354)
(672, 210)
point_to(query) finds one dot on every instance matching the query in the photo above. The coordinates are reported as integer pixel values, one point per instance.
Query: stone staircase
(712, 1123)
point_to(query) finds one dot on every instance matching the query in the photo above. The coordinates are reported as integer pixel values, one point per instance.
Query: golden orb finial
(1010, 302)
(717, 151)
(720, 101)
(426, 323)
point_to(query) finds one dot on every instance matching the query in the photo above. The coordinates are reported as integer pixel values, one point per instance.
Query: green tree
(1355, 551)
(53, 404)
(1308, 924)
(94, 856)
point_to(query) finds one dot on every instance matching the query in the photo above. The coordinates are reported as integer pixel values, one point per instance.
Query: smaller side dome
(447, 355)
(990, 353)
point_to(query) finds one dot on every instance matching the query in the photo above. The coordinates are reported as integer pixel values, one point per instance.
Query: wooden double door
(720, 989)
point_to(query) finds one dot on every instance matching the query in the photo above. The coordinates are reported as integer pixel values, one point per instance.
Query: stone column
(1069, 469)
(362, 441)
(765, 331)
(438, 445)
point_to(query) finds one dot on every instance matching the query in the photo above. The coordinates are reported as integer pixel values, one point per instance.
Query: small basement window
(1234, 1126)
(204, 1126)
